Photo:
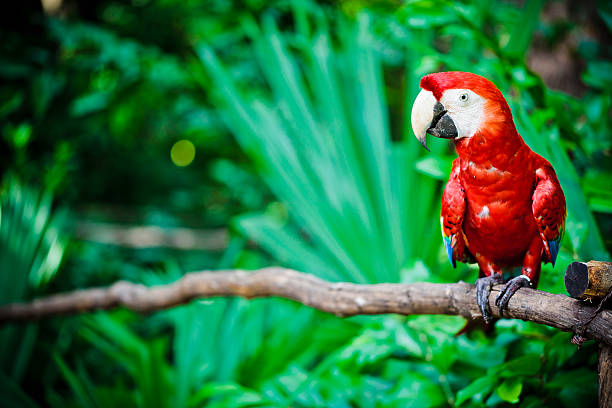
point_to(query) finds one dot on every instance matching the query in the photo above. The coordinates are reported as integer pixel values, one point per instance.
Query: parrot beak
(429, 116)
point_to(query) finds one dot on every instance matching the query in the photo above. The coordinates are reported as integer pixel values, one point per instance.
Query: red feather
(453, 210)
(549, 208)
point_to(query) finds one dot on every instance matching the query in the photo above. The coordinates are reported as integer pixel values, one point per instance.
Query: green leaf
(522, 32)
(79, 388)
(482, 386)
(529, 364)
(598, 74)
(416, 390)
(225, 394)
(510, 390)
(20, 136)
(90, 103)
(600, 204)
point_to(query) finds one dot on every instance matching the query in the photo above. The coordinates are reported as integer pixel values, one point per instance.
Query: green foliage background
(299, 115)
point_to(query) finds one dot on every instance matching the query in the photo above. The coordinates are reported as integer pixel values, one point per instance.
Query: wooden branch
(588, 280)
(151, 236)
(342, 299)
(605, 376)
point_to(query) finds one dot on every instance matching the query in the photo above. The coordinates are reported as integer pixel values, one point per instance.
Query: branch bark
(605, 376)
(341, 299)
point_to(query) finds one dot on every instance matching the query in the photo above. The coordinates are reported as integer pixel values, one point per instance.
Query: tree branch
(604, 370)
(341, 299)
(150, 236)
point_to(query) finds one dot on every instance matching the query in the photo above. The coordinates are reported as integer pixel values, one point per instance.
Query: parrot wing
(549, 211)
(451, 218)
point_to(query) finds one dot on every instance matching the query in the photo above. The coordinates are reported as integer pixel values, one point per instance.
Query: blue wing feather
(449, 250)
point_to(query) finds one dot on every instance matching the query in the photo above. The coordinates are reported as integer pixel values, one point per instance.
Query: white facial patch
(466, 109)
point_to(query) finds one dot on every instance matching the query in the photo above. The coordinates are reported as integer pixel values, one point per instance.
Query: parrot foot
(510, 289)
(483, 290)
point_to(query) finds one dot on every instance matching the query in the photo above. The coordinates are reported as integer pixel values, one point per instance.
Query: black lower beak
(442, 125)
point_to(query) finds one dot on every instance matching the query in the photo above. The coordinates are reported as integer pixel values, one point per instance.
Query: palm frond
(322, 143)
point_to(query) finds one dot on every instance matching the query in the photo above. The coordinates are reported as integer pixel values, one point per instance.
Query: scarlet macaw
(503, 205)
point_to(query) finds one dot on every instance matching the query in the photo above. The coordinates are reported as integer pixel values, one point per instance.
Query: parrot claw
(510, 289)
(483, 290)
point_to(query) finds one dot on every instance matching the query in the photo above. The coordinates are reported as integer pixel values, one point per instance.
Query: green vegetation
(298, 113)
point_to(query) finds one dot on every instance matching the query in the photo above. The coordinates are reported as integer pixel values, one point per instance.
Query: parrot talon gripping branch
(510, 289)
(483, 291)
(503, 206)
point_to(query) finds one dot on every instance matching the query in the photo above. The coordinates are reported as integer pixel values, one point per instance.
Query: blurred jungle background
(144, 139)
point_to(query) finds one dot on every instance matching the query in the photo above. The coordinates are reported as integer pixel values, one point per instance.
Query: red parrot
(503, 206)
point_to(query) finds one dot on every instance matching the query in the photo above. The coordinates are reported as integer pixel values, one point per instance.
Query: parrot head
(457, 105)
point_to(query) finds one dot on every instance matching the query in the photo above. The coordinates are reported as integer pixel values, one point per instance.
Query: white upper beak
(422, 115)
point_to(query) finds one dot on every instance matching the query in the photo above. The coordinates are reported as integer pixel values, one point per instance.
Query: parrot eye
(463, 97)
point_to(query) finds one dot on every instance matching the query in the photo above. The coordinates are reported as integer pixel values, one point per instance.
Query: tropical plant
(31, 249)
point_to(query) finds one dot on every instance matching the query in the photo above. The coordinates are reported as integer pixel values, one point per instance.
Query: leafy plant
(31, 249)
(322, 144)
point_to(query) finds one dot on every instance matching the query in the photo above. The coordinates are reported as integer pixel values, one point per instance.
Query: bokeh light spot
(182, 153)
